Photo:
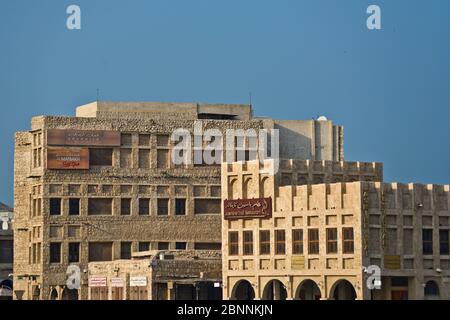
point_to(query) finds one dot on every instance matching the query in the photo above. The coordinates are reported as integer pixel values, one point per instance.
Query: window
(233, 243)
(144, 158)
(207, 246)
(126, 139)
(125, 250)
(163, 246)
(313, 241)
(55, 252)
(100, 251)
(248, 243)
(280, 242)
(162, 140)
(6, 251)
(180, 207)
(163, 207)
(125, 206)
(207, 206)
(347, 240)
(74, 207)
(144, 207)
(332, 240)
(180, 245)
(162, 159)
(74, 252)
(55, 207)
(100, 207)
(427, 241)
(144, 140)
(264, 242)
(126, 156)
(443, 242)
(144, 246)
(73, 231)
(297, 241)
(100, 157)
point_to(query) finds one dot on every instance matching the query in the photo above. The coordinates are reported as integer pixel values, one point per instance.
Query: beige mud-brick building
(321, 239)
(158, 275)
(100, 186)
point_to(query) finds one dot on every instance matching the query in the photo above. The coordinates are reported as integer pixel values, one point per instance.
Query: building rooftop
(5, 208)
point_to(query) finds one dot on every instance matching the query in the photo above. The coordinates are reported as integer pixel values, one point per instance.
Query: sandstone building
(303, 234)
(100, 186)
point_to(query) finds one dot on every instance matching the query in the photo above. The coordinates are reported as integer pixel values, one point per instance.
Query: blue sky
(299, 58)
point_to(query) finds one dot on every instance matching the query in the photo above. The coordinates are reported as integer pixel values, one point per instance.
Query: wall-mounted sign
(97, 282)
(247, 208)
(117, 282)
(298, 262)
(138, 281)
(68, 158)
(392, 262)
(58, 137)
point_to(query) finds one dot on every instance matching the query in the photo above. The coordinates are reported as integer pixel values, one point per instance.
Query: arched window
(431, 288)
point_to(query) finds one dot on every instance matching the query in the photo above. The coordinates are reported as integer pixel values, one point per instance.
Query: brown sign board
(247, 208)
(58, 137)
(68, 158)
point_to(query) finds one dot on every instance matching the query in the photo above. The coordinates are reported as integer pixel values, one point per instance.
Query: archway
(308, 290)
(431, 290)
(243, 290)
(54, 294)
(274, 290)
(343, 290)
(69, 294)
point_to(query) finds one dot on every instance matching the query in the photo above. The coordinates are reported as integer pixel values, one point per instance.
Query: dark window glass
(144, 246)
(55, 252)
(125, 250)
(100, 207)
(100, 251)
(163, 207)
(207, 246)
(264, 242)
(348, 240)
(180, 245)
(248, 242)
(427, 241)
(74, 252)
(6, 251)
(180, 207)
(55, 206)
(125, 207)
(233, 243)
(163, 246)
(74, 207)
(100, 157)
(332, 240)
(144, 207)
(280, 242)
(443, 241)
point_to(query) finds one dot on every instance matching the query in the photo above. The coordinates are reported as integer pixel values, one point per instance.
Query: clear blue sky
(299, 58)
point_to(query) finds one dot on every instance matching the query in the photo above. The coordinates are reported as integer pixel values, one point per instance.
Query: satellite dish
(322, 118)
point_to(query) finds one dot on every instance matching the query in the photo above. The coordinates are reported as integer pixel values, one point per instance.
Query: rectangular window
(74, 207)
(207, 206)
(332, 246)
(100, 157)
(125, 250)
(6, 251)
(162, 159)
(207, 246)
(162, 140)
(144, 207)
(248, 243)
(55, 252)
(180, 245)
(163, 246)
(144, 159)
(126, 139)
(144, 246)
(264, 242)
(74, 252)
(163, 207)
(443, 242)
(100, 251)
(100, 207)
(313, 241)
(180, 207)
(125, 207)
(347, 240)
(126, 156)
(280, 242)
(233, 243)
(427, 241)
(297, 241)
(144, 140)
(55, 207)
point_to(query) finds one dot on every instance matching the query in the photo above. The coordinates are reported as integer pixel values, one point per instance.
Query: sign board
(298, 262)
(392, 262)
(138, 281)
(248, 208)
(97, 282)
(58, 137)
(68, 158)
(117, 282)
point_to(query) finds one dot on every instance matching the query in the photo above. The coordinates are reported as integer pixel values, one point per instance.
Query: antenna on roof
(250, 97)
